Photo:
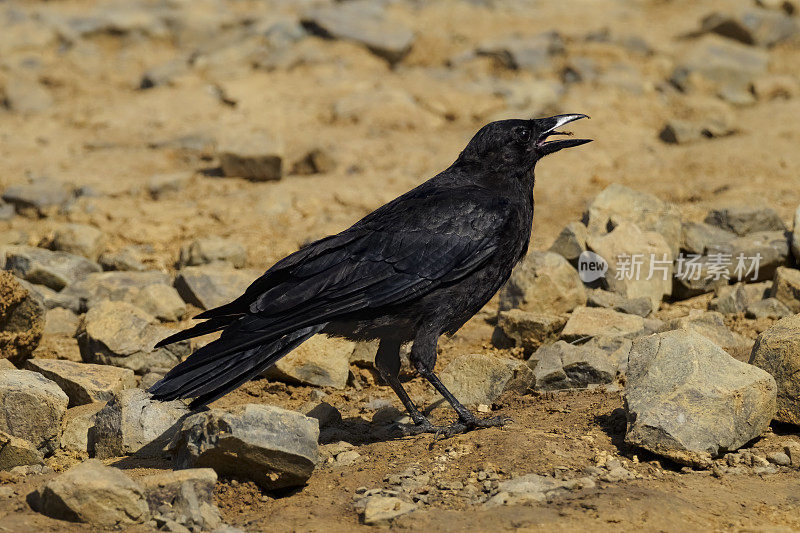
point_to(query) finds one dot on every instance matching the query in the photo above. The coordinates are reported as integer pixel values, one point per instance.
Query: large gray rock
(721, 63)
(639, 262)
(113, 286)
(55, 270)
(786, 288)
(481, 379)
(84, 383)
(568, 366)
(132, 423)
(587, 322)
(744, 219)
(120, 334)
(79, 239)
(320, 361)
(270, 446)
(777, 350)
(256, 156)
(33, 407)
(183, 496)
(94, 494)
(688, 400)
(712, 326)
(17, 452)
(617, 203)
(41, 196)
(364, 23)
(527, 330)
(208, 250)
(212, 286)
(544, 282)
(22, 319)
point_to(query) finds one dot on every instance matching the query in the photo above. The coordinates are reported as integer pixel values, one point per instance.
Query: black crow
(414, 269)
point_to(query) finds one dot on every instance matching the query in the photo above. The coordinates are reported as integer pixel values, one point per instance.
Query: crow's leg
(387, 361)
(423, 356)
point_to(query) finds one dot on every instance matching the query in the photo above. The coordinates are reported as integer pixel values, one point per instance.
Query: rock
(84, 383)
(756, 27)
(736, 298)
(681, 131)
(544, 282)
(637, 306)
(755, 256)
(777, 350)
(127, 259)
(320, 361)
(325, 413)
(475, 378)
(364, 23)
(315, 161)
(207, 250)
(743, 220)
(712, 326)
(774, 86)
(120, 334)
(113, 286)
(33, 407)
(76, 426)
(719, 62)
(7, 212)
(41, 197)
(639, 263)
(256, 156)
(695, 275)
(792, 449)
(60, 321)
(617, 203)
(688, 400)
(571, 242)
(533, 53)
(26, 95)
(133, 424)
(768, 308)
(364, 356)
(786, 288)
(55, 270)
(79, 239)
(536, 488)
(50, 298)
(568, 366)
(22, 319)
(162, 185)
(698, 237)
(587, 322)
(381, 510)
(17, 452)
(270, 446)
(211, 286)
(150, 379)
(184, 496)
(779, 458)
(161, 301)
(528, 330)
(92, 493)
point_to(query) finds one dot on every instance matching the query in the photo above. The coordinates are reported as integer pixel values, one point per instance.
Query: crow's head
(516, 145)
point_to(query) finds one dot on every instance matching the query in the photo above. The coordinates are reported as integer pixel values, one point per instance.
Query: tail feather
(223, 370)
(209, 326)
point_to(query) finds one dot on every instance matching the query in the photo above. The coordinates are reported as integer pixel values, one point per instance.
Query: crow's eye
(523, 133)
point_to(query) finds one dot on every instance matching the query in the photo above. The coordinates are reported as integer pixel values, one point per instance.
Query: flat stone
(736, 298)
(79, 239)
(637, 306)
(207, 250)
(712, 326)
(77, 423)
(41, 197)
(587, 322)
(786, 288)
(571, 242)
(768, 308)
(719, 62)
(255, 155)
(55, 270)
(544, 282)
(568, 366)
(320, 361)
(688, 400)
(529, 330)
(184, 496)
(697, 237)
(121, 334)
(33, 407)
(161, 301)
(22, 319)
(84, 383)
(133, 424)
(481, 379)
(364, 23)
(127, 259)
(211, 286)
(92, 493)
(381, 510)
(270, 446)
(742, 220)
(777, 350)
(60, 321)
(617, 203)
(113, 286)
(16, 452)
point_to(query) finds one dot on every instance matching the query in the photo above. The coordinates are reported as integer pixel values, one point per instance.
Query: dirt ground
(103, 133)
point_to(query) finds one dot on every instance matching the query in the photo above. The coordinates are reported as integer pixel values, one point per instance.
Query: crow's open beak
(548, 127)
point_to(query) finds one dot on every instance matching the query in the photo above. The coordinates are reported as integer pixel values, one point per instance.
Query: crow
(414, 269)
